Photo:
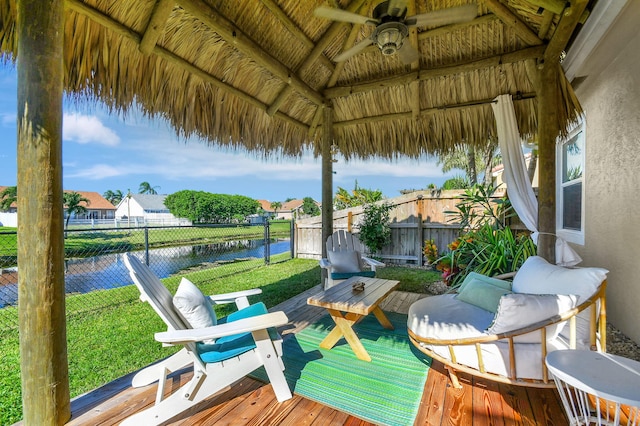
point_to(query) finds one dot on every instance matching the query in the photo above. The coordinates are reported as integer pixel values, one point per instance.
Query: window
(570, 187)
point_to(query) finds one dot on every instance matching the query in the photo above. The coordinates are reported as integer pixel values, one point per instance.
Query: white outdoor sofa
(502, 330)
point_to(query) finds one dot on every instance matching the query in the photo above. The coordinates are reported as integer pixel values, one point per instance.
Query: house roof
(150, 202)
(263, 75)
(96, 201)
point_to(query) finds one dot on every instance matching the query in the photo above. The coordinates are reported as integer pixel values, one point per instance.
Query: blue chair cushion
(345, 275)
(234, 345)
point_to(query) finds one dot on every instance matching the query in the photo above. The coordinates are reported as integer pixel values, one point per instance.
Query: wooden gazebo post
(548, 128)
(41, 295)
(327, 179)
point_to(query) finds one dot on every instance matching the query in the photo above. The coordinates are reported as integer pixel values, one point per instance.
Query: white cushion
(193, 305)
(517, 310)
(537, 276)
(446, 317)
(344, 261)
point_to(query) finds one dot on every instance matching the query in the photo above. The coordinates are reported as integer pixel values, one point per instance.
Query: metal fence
(93, 258)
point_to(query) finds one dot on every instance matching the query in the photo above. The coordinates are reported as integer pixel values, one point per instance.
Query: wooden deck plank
(250, 402)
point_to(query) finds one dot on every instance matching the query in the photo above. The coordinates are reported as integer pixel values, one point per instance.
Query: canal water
(108, 270)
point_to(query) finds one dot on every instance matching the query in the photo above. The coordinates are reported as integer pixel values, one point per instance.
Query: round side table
(597, 388)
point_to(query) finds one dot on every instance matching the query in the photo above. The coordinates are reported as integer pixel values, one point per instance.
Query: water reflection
(108, 271)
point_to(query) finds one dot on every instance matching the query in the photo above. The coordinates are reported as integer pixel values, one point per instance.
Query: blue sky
(103, 151)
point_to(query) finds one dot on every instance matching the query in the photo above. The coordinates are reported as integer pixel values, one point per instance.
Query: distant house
(144, 207)
(290, 210)
(97, 208)
(496, 173)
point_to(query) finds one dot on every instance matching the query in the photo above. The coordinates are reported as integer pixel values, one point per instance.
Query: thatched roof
(257, 74)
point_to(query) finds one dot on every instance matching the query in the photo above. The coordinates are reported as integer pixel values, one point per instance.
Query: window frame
(571, 235)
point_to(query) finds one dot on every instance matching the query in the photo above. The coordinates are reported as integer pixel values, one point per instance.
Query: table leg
(382, 318)
(343, 329)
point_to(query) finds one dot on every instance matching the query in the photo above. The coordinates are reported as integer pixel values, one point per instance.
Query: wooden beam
(547, 20)
(161, 11)
(564, 30)
(512, 20)
(295, 30)
(106, 21)
(547, 134)
(351, 38)
(378, 84)
(428, 111)
(414, 86)
(41, 292)
(327, 38)
(327, 177)
(555, 6)
(229, 32)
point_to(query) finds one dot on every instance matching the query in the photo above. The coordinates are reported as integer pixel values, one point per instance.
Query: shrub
(374, 228)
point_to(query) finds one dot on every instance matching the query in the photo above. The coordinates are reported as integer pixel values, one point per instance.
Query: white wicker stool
(597, 388)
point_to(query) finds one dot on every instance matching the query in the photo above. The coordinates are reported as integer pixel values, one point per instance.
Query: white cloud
(87, 129)
(99, 171)
(8, 120)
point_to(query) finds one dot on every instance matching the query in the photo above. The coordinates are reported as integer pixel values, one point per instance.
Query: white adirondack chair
(345, 259)
(208, 377)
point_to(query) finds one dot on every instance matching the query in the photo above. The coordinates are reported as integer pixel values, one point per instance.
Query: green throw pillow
(482, 294)
(489, 280)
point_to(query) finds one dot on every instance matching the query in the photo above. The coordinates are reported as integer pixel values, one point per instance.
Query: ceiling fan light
(389, 37)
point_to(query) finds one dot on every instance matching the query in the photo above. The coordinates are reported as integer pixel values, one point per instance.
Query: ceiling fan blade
(452, 15)
(343, 16)
(357, 48)
(408, 54)
(396, 7)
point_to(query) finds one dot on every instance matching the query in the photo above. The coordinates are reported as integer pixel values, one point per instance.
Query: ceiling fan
(392, 26)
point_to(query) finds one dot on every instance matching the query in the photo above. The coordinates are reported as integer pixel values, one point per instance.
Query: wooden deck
(249, 402)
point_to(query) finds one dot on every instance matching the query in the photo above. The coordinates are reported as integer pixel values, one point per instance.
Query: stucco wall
(611, 100)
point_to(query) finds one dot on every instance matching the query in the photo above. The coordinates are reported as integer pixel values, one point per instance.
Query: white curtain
(515, 176)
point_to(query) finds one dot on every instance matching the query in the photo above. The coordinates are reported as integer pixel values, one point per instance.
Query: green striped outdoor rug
(385, 391)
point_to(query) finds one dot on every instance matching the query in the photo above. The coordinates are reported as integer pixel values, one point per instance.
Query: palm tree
(275, 206)
(72, 204)
(146, 188)
(114, 197)
(7, 197)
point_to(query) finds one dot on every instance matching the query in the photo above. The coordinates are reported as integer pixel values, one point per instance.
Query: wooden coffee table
(347, 307)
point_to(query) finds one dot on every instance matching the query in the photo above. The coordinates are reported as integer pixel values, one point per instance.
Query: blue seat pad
(345, 275)
(234, 345)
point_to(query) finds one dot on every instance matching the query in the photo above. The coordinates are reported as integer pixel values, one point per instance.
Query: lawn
(107, 343)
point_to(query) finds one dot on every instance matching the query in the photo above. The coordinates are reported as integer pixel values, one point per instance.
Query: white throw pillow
(538, 276)
(344, 261)
(193, 305)
(517, 310)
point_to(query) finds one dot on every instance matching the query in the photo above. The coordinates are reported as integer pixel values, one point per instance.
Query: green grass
(107, 343)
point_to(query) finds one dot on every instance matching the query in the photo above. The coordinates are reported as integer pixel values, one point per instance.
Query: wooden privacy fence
(415, 217)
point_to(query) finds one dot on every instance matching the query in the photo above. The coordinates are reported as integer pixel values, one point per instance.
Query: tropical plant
(114, 197)
(487, 251)
(430, 251)
(358, 197)
(275, 206)
(73, 205)
(146, 188)
(374, 228)
(8, 196)
(487, 246)
(476, 161)
(479, 206)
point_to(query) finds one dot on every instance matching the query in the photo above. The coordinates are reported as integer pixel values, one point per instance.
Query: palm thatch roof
(258, 74)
